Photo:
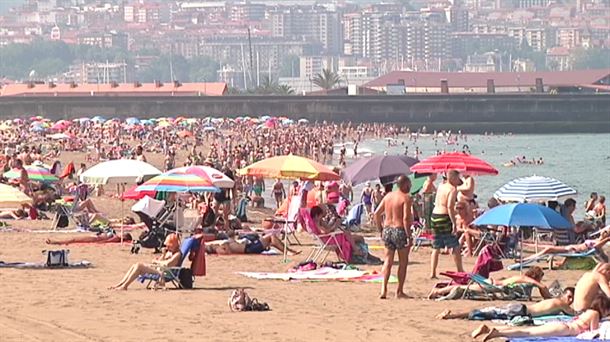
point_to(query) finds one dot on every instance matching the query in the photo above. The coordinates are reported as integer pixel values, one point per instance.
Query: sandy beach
(74, 305)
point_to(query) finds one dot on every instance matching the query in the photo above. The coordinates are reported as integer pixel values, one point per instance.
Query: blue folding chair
(353, 220)
(172, 274)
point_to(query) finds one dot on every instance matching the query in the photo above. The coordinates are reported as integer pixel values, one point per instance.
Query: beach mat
(42, 265)
(322, 274)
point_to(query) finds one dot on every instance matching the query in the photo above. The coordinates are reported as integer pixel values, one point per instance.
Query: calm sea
(581, 161)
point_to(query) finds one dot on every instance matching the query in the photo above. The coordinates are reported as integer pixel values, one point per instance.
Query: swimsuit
(366, 199)
(395, 238)
(253, 244)
(442, 232)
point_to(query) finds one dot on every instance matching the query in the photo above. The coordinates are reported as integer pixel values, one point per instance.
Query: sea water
(581, 161)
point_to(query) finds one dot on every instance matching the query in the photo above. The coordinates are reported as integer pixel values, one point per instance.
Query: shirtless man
(443, 222)
(590, 285)
(396, 233)
(552, 306)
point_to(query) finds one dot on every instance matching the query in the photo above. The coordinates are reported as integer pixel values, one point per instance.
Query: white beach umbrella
(533, 189)
(120, 171)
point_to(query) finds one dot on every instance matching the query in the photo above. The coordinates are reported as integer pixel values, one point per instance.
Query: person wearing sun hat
(171, 257)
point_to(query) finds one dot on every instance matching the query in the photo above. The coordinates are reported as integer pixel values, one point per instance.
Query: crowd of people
(446, 207)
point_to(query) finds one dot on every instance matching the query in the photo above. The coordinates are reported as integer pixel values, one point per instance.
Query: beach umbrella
(533, 189)
(98, 119)
(178, 182)
(12, 197)
(5, 127)
(132, 121)
(83, 119)
(209, 129)
(37, 129)
(265, 117)
(462, 162)
(376, 167)
(60, 136)
(120, 171)
(133, 194)
(287, 121)
(290, 167)
(36, 118)
(163, 124)
(60, 125)
(523, 215)
(303, 121)
(217, 178)
(35, 173)
(185, 134)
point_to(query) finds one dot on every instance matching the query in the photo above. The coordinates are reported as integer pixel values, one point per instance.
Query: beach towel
(42, 265)
(198, 265)
(322, 274)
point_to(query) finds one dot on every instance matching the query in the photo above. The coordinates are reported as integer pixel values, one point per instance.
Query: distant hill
(5, 5)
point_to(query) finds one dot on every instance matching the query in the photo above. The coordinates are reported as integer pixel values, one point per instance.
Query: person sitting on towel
(552, 306)
(250, 243)
(171, 257)
(532, 277)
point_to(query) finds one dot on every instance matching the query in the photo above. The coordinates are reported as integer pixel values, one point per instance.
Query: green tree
(203, 69)
(284, 89)
(327, 79)
(591, 58)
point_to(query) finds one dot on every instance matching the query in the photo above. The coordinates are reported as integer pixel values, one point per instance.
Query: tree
(591, 59)
(327, 79)
(203, 69)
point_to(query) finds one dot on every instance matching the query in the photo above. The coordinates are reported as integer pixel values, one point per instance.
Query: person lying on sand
(250, 243)
(587, 321)
(532, 277)
(106, 237)
(552, 306)
(597, 244)
(18, 214)
(171, 257)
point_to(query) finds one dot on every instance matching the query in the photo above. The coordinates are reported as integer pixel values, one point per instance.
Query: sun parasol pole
(122, 211)
(521, 254)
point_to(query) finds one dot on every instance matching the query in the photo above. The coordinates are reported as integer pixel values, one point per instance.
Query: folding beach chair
(492, 292)
(287, 226)
(488, 261)
(599, 256)
(65, 211)
(353, 220)
(421, 235)
(332, 242)
(175, 274)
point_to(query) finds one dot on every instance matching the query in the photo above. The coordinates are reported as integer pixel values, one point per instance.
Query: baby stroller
(156, 215)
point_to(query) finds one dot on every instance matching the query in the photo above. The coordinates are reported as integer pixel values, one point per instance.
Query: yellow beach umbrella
(290, 167)
(12, 197)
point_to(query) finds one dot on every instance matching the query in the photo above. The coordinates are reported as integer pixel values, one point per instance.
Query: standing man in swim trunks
(443, 222)
(395, 232)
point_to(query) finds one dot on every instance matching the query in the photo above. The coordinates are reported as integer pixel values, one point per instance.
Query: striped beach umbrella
(35, 173)
(178, 182)
(533, 189)
(12, 197)
(217, 178)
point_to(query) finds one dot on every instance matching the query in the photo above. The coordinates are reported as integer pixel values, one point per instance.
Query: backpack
(57, 258)
(186, 278)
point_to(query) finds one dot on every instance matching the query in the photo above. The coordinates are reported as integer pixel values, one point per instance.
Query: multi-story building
(425, 37)
(104, 39)
(558, 59)
(315, 24)
(310, 66)
(569, 37)
(464, 44)
(99, 73)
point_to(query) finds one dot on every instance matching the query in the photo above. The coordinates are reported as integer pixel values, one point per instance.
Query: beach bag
(57, 258)
(241, 301)
(61, 220)
(186, 278)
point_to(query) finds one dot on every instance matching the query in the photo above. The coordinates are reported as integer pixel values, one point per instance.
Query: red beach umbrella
(454, 161)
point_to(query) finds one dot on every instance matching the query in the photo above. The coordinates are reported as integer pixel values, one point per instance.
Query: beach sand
(75, 305)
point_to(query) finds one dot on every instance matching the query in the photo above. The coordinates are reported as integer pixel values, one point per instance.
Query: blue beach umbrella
(523, 215)
(132, 121)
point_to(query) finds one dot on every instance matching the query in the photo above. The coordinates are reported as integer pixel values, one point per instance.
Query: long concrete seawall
(524, 113)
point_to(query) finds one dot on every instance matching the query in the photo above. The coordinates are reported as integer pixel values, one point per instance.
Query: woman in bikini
(597, 244)
(108, 236)
(587, 321)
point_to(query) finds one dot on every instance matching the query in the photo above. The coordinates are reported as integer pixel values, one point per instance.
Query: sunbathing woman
(171, 257)
(327, 224)
(250, 243)
(587, 321)
(13, 214)
(597, 244)
(532, 277)
(106, 237)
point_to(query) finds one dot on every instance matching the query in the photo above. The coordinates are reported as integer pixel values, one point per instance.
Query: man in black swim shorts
(397, 207)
